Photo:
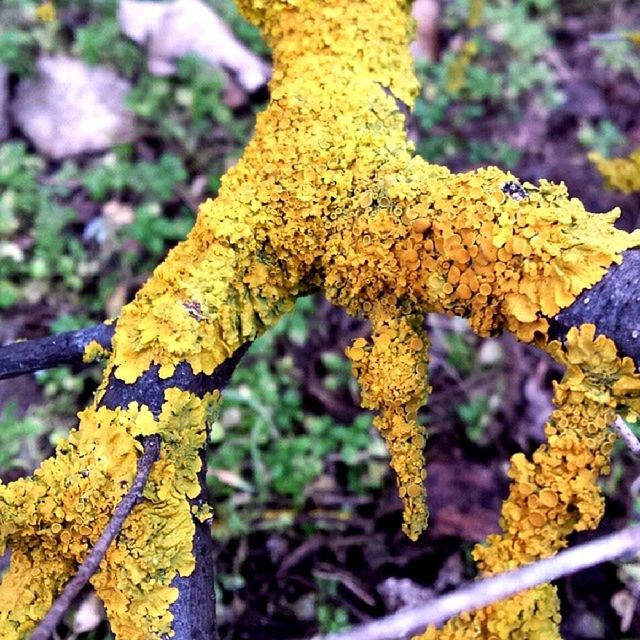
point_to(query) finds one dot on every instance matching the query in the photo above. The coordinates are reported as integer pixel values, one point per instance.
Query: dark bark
(612, 305)
(44, 353)
(194, 612)
(149, 388)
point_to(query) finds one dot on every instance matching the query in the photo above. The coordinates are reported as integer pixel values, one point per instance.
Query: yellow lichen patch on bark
(531, 615)
(46, 11)
(459, 244)
(555, 492)
(52, 519)
(94, 351)
(329, 129)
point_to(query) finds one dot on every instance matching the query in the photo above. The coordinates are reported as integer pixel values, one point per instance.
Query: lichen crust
(329, 196)
(51, 520)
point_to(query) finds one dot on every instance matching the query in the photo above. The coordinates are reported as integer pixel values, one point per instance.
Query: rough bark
(52, 351)
(612, 305)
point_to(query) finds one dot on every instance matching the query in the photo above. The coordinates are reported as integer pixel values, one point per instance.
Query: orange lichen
(555, 492)
(392, 372)
(622, 174)
(531, 615)
(328, 196)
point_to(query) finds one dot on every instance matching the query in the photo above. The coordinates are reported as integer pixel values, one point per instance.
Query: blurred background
(118, 118)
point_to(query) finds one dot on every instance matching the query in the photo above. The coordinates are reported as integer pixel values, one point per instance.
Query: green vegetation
(487, 72)
(18, 437)
(268, 447)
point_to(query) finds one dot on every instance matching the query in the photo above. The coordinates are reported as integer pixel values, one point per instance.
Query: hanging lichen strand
(329, 197)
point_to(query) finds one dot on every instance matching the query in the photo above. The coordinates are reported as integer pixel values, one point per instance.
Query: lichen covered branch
(50, 521)
(555, 492)
(329, 196)
(47, 627)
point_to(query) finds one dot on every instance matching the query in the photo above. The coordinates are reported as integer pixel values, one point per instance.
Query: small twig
(409, 622)
(44, 353)
(90, 565)
(629, 438)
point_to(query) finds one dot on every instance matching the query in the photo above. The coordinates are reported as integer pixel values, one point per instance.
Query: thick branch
(409, 622)
(194, 610)
(52, 351)
(48, 625)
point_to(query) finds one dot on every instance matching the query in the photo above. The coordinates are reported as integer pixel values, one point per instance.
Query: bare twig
(48, 625)
(629, 438)
(406, 623)
(43, 353)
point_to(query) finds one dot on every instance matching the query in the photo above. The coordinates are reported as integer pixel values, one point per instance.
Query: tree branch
(613, 305)
(406, 623)
(194, 609)
(627, 436)
(52, 351)
(62, 603)
(194, 614)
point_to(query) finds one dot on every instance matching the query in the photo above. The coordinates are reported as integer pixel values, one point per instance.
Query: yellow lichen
(556, 492)
(50, 520)
(633, 37)
(94, 351)
(622, 174)
(327, 196)
(46, 12)
(392, 372)
(474, 17)
(457, 68)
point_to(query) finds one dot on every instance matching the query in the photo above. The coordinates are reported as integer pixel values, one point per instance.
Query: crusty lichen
(328, 196)
(556, 492)
(50, 520)
(392, 372)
